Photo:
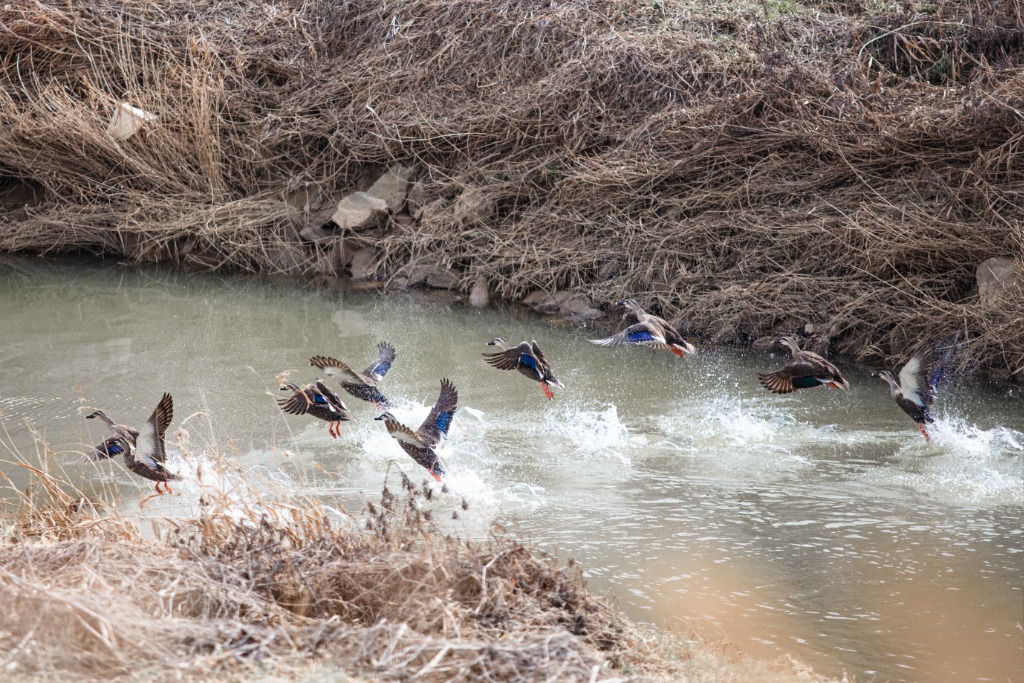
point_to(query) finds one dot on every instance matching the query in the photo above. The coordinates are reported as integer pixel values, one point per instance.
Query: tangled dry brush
(750, 167)
(278, 589)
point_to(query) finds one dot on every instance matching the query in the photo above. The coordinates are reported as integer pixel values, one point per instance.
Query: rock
(127, 121)
(363, 262)
(472, 205)
(403, 223)
(763, 343)
(432, 210)
(316, 235)
(995, 276)
(358, 211)
(480, 295)
(416, 198)
(413, 274)
(541, 301)
(442, 278)
(286, 257)
(391, 187)
(576, 305)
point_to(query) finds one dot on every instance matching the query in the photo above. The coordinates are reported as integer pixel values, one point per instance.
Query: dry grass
(278, 589)
(751, 166)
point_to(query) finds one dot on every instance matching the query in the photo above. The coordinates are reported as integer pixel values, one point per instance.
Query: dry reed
(752, 168)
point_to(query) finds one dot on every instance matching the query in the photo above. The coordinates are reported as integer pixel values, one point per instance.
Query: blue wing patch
(114, 449)
(528, 361)
(641, 336)
(805, 382)
(381, 368)
(444, 420)
(319, 398)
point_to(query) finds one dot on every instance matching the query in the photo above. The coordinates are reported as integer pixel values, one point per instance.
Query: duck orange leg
(923, 432)
(158, 491)
(676, 351)
(547, 390)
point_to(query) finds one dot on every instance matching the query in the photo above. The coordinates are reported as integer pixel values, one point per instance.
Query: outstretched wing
(380, 367)
(335, 368)
(640, 333)
(110, 448)
(503, 360)
(301, 402)
(539, 355)
(435, 427)
(910, 381)
(936, 372)
(149, 445)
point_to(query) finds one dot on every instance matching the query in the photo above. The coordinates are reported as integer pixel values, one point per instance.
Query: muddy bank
(812, 167)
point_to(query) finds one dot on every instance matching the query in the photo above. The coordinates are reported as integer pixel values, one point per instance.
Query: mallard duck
(147, 455)
(422, 444)
(912, 395)
(104, 450)
(651, 331)
(362, 385)
(318, 400)
(527, 358)
(805, 371)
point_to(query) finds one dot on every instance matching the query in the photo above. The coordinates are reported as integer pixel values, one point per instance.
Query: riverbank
(831, 169)
(259, 588)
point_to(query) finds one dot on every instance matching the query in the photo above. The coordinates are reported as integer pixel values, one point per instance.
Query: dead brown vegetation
(752, 168)
(276, 588)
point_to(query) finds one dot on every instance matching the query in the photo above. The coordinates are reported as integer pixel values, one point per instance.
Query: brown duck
(318, 400)
(915, 392)
(147, 455)
(806, 371)
(422, 444)
(362, 385)
(650, 330)
(527, 358)
(109, 448)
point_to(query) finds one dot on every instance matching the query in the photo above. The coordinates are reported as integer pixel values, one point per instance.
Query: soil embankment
(818, 167)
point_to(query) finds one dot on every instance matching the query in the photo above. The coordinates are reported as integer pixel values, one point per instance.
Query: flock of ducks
(144, 452)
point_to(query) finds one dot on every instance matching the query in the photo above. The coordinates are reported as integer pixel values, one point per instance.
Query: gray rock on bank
(995, 276)
(563, 303)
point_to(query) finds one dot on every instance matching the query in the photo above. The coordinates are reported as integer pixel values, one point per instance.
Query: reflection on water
(818, 524)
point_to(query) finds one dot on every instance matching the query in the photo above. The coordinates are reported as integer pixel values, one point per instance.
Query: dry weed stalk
(748, 171)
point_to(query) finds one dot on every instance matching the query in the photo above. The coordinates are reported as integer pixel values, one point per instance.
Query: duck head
(500, 342)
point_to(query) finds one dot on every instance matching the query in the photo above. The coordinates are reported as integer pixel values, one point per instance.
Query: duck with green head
(805, 371)
(527, 358)
(650, 330)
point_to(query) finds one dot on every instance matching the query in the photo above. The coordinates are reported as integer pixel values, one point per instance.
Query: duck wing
(110, 448)
(380, 367)
(641, 333)
(910, 381)
(335, 368)
(504, 360)
(149, 444)
(435, 427)
(545, 366)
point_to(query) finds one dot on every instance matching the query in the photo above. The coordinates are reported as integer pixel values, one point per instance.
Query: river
(819, 525)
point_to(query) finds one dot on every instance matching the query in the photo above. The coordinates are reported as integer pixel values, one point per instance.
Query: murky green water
(819, 524)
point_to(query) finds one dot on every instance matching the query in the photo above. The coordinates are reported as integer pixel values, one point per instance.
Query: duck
(109, 448)
(806, 371)
(651, 331)
(913, 395)
(146, 455)
(318, 400)
(362, 385)
(527, 358)
(422, 444)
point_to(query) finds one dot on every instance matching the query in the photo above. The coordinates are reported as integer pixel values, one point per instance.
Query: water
(819, 525)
